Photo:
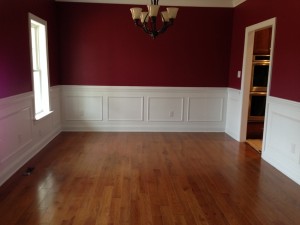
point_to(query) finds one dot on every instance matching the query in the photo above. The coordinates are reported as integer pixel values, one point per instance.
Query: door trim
(246, 72)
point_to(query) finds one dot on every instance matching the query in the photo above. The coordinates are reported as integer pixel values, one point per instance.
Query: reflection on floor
(255, 143)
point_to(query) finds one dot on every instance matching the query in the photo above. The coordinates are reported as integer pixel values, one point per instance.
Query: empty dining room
(112, 116)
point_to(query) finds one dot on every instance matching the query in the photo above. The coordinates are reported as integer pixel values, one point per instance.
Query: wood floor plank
(87, 178)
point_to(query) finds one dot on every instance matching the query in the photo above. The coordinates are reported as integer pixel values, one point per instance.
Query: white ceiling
(194, 3)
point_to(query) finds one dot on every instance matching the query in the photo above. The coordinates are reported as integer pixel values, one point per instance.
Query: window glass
(39, 60)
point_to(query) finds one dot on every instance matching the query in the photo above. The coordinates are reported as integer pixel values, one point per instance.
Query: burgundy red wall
(286, 67)
(15, 71)
(100, 45)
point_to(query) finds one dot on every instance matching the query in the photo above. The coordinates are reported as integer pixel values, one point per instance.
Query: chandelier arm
(152, 32)
(165, 26)
(137, 23)
(142, 26)
(146, 29)
(163, 29)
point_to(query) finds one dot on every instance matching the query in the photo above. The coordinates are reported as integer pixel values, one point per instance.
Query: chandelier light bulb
(172, 12)
(136, 12)
(165, 16)
(144, 17)
(153, 10)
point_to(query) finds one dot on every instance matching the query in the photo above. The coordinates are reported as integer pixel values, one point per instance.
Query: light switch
(239, 73)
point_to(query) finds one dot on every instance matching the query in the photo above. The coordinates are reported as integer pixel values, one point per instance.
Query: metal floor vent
(28, 171)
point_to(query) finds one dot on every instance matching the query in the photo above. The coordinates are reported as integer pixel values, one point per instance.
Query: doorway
(255, 95)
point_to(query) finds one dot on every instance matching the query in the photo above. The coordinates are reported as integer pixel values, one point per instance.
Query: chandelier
(147, 20)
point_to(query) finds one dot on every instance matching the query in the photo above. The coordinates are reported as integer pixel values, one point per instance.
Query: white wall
(282, 137)
(233, 114)
(20, 136)
(281, 144)
(98, 108)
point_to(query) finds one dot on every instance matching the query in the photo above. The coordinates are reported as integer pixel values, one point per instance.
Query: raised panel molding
(205, 109)
(165, 109)
(15, 138)
(83, 107)
(147, 108)
(287, 146)
(125, 108)
(282, 142)
(21, 137)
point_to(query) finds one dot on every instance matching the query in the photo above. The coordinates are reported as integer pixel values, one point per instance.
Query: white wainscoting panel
(83, 107)
(282, 140)
(125, 108)
(55, 106)
(21, 137)
(233, 114)
(165, 109)
(147, 108)
(143, 109)
(206, 109)
(15, 138)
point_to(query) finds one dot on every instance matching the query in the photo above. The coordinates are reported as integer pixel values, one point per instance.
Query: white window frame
(39, 65)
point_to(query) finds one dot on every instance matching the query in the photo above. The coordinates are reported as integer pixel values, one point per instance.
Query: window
(39, 61)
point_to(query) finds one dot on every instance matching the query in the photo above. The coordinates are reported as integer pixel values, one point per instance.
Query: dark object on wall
(28, 171)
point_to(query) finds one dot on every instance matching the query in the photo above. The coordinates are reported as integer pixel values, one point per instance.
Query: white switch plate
(239, 73)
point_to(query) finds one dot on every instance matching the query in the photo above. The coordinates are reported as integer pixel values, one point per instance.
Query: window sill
(42, 115)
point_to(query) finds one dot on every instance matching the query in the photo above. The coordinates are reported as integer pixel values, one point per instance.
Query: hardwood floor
(149, 178)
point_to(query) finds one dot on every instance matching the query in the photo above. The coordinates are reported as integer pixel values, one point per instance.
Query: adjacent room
(149, 112)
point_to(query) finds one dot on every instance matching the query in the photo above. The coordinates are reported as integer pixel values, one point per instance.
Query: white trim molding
(171, 109)
(282, 143)
(234, 101)
(21, 136)
(247, 71)
(237, 2)
(175, 109)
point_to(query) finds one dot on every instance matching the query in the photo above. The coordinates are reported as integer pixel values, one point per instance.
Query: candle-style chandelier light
(147, 20)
